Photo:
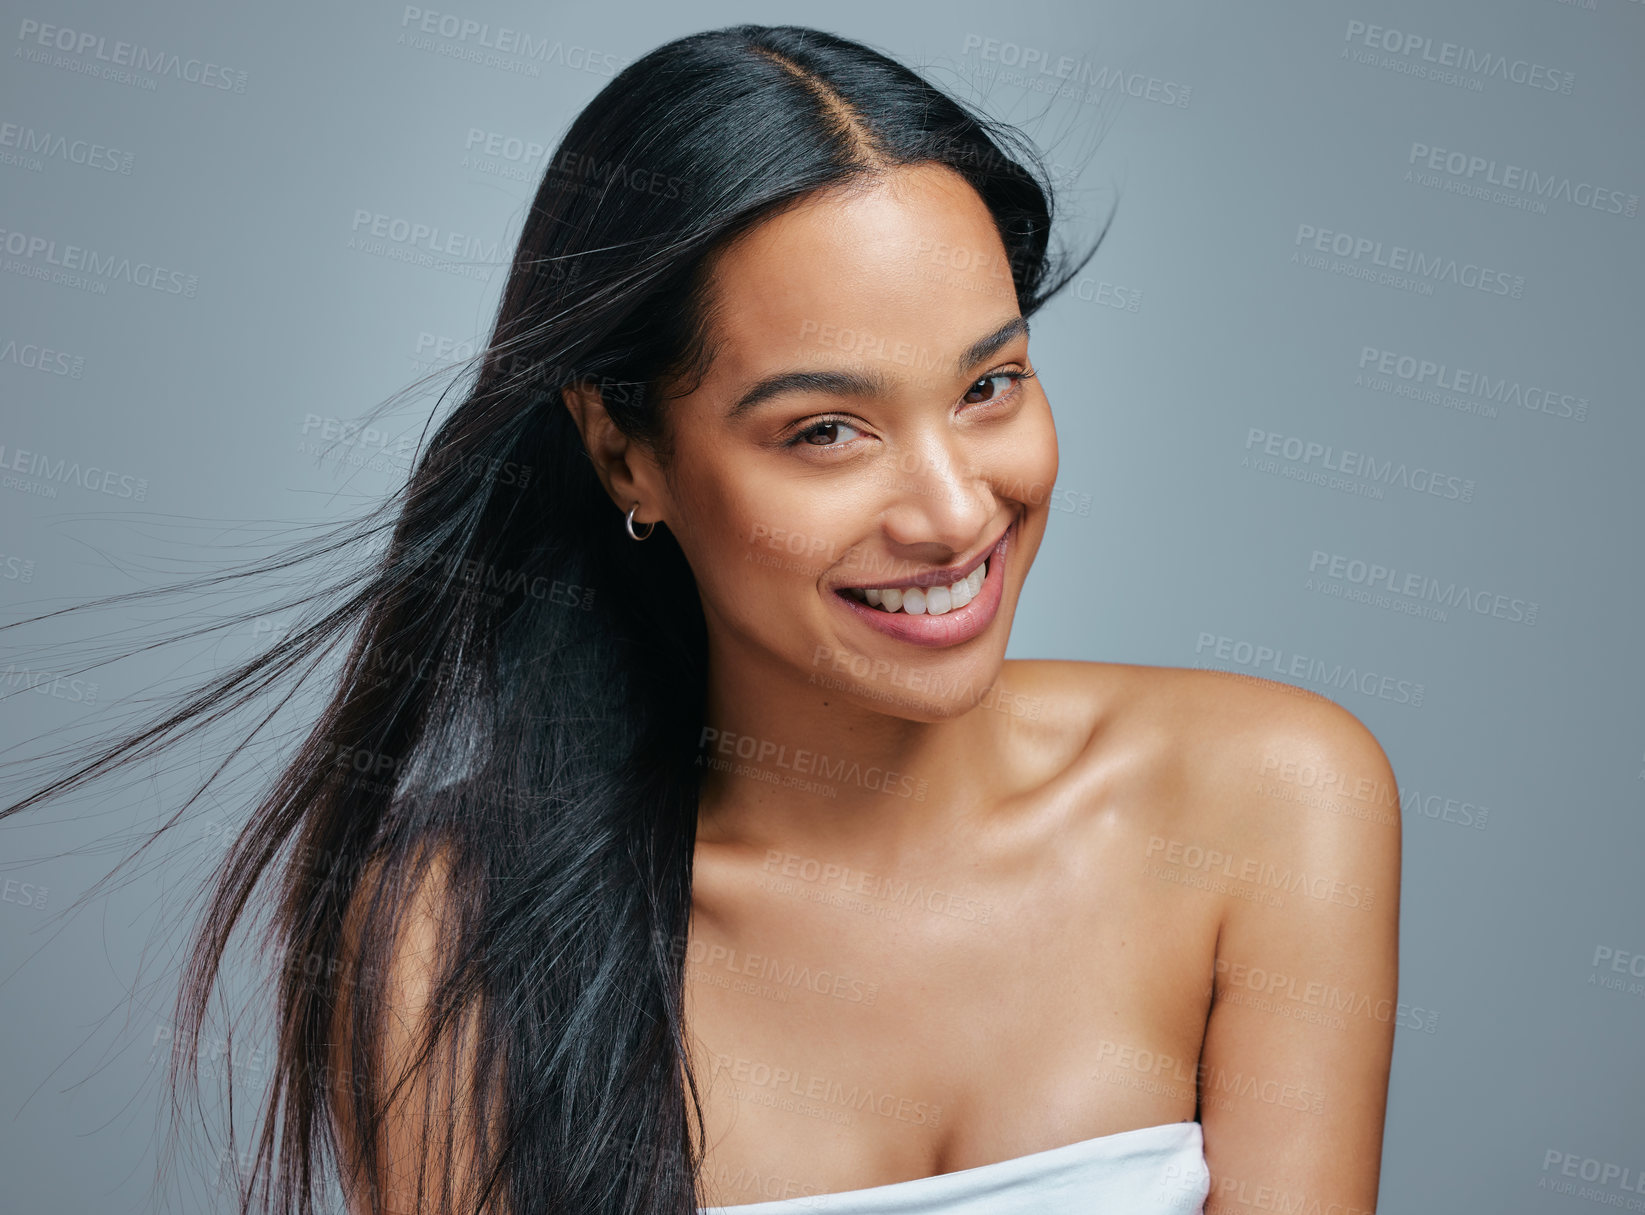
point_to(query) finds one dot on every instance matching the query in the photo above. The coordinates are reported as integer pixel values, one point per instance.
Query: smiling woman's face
(909, 444)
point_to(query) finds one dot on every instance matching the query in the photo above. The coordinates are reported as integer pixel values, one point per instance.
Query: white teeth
(930, 601)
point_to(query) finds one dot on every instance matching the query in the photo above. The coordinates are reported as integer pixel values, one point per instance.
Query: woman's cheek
(1045, 442)
(1023, 464)
(784, 544)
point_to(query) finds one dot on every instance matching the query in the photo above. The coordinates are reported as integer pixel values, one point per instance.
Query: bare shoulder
(1285, 764)
(1291, 806)
(1250, 726)
(414, 911)
(1229, 757)
(389, 1050)
(1293, 829)
(387, 967)
(1229, 705)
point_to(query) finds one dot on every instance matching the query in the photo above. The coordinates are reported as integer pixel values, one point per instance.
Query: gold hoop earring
(632, 534)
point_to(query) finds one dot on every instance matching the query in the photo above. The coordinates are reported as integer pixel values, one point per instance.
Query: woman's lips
(952, 627)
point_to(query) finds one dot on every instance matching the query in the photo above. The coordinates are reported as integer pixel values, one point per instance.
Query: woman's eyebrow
(986, 347)
(847, 383)
(835, 383)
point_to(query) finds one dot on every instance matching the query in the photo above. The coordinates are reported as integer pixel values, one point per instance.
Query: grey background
(1179, 532)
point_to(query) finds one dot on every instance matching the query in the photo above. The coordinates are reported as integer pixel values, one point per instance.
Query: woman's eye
(824, 433)
(828, 431)
(996, 393)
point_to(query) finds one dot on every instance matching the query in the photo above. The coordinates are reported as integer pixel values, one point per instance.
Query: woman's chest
(853, 1026)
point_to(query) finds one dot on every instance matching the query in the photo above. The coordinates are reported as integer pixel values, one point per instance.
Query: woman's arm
(1294, 1074)
(425, 1135)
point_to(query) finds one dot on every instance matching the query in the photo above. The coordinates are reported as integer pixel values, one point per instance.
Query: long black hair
(511, 741)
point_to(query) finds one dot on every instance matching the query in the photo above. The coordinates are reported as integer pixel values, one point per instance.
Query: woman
(680, 838)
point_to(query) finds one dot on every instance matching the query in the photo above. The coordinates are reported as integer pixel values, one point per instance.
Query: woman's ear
(626, 468)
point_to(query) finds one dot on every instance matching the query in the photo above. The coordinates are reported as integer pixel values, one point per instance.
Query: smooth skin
(1053, 900)
(1040, 973)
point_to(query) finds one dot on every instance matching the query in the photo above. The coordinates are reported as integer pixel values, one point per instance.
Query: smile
(916, 601)
(937, 608)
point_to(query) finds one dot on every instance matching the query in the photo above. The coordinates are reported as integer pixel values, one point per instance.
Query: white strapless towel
(1154, 1170)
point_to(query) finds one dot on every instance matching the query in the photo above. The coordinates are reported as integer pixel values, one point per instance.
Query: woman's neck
(802, 764)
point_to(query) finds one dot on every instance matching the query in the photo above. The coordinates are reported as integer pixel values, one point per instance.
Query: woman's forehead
(913, 264)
